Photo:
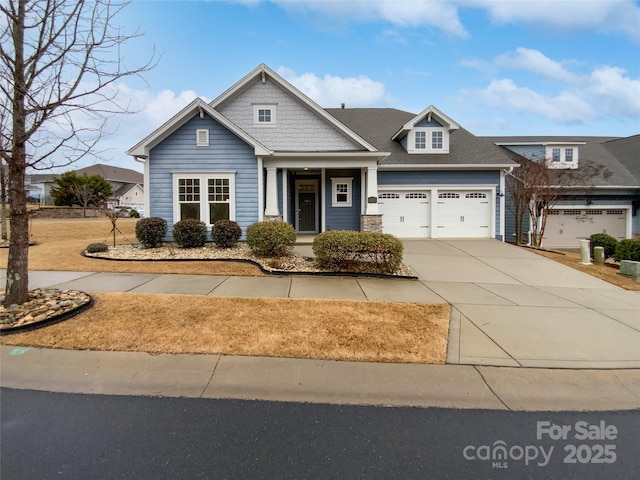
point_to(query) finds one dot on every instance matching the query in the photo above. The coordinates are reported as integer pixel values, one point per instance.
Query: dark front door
(307, 211)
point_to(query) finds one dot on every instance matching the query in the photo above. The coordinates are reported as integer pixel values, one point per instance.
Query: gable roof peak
(427, 113)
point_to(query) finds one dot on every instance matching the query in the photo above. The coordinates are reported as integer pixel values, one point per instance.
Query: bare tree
(59, 64)
(536, 187)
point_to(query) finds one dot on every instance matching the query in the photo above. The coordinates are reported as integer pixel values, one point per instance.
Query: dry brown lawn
(608, 274)
(60, 241)
(316, 329)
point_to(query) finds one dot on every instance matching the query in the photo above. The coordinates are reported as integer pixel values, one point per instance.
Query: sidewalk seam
(215, 367)
(489, 337)
(475, 367)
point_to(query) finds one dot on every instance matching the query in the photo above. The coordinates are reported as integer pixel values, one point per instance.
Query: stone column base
(371, 223)
(273, 218)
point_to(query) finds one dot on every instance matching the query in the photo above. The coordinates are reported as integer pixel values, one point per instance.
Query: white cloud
(440, 15)
(566, 107)
(619, 16)
(331, 91)
(606, 16)
(535, 61)
(615, 93)
(604, 92)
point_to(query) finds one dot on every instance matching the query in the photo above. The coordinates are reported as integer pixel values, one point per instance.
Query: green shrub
(97, 247)
(603, 240)
(365, 252)
(271, 239)
(190, 233)
(133, 213)
(628, 250)
(151, 231)
(225, 233)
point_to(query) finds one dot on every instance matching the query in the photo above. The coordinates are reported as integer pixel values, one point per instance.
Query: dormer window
(561, 156)
(264, 115)
(568, 155)
(436, 140)
(428, 140)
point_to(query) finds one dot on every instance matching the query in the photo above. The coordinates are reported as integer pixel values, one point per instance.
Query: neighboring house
(607, 204)
(38, 186)
(126, 184)
(263, 150)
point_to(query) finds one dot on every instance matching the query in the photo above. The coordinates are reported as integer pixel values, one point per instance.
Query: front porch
(314, 200)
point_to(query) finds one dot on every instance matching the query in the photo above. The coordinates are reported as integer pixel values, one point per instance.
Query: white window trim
(411, 140)
(262, 106)
(204, 201)
(335, 181)
(562, 160)
(205, 142)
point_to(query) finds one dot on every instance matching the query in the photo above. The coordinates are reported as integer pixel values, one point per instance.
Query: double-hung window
(568, 155)
(420, 140)
(207, 197)
(341, 192)
(555, 155)
(436, 140)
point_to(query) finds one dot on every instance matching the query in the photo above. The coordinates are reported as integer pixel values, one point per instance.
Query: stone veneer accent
(371, 223)
(273, 218)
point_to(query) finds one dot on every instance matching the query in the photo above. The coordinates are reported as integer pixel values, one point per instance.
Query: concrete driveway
(512, 307)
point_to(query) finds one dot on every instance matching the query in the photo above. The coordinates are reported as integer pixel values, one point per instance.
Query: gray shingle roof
(607, 152)
(378, 125)
(113, 174)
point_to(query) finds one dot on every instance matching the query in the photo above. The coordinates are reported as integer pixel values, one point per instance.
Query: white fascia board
(319, 162)
(262, 70)
(141, 150)
(495, 166)
(603, 187)
(513, 144)
(429, 110)
(375, 155)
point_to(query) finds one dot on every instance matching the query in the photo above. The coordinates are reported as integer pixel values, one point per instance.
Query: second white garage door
(405, 214)
(463, 214)
(566, 227)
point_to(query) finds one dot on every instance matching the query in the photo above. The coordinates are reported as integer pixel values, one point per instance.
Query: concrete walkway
(511, 308)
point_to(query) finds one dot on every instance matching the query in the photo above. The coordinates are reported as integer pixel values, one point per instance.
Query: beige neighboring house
(127, 184)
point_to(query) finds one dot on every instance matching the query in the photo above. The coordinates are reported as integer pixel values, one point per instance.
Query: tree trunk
(17, 286)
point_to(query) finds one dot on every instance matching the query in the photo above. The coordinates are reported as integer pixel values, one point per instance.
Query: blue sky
(497, 68)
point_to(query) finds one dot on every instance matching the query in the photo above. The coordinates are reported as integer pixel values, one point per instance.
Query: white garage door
(565, 227)
(464, 213)
(405, 214)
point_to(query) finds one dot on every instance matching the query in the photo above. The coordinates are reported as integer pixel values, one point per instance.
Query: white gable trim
(262, 71)
(446, 121)
(141, 150)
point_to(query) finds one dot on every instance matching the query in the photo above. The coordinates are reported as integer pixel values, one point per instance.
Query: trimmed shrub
(225, 233)
(151, 231)
(97, 247)
(190, 233)
(603, 240)
(271, 239)
(363, 252)
(628, 249)
(133, 213)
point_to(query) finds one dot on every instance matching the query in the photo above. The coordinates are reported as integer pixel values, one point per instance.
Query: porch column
(271, 208)
(372, 191)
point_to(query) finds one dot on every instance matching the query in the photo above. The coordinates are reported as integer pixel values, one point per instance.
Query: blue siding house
(263, 150)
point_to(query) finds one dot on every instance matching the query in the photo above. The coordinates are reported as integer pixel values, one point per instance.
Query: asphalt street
(74, 436)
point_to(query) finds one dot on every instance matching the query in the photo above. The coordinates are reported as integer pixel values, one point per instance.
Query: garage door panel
(566, 227)
(465, 214)
(405, 214)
